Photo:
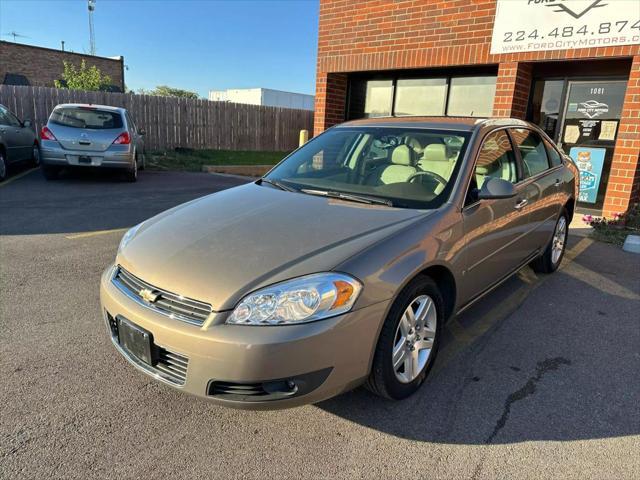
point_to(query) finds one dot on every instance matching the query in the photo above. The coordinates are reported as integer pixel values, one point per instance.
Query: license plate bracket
(135, 340)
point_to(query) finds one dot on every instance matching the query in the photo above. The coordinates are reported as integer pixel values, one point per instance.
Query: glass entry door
(588, 132)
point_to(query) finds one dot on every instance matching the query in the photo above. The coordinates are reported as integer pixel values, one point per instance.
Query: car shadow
(551, 357)
(86, 200)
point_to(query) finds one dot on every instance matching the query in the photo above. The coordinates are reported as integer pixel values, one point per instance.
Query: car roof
(93, 105)
(445, 123)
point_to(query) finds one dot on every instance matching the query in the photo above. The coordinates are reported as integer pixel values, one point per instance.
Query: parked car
(79, 135)
(341, 265)
(18, 141)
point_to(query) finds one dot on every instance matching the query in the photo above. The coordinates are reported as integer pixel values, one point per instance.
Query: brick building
(39, 67)
(571, 66)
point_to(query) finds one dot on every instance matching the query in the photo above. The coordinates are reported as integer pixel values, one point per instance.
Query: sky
(197, 45)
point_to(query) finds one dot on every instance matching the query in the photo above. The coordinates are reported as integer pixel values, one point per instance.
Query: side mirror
(141, 131)
(26, 123)
(495, 188)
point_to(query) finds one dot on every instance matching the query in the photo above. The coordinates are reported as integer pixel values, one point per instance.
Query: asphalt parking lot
(540, 380)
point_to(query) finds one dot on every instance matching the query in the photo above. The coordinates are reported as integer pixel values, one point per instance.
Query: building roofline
(121, 59)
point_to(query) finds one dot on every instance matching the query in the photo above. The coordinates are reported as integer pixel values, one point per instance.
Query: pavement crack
(529, 388)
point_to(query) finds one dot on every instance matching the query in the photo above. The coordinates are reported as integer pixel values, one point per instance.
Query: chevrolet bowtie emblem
(148, 295)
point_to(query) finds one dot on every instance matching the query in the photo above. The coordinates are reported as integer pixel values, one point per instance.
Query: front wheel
(408, 341)
(550, 259)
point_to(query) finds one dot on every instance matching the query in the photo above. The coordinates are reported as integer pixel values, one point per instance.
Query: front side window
(532, 151)
(86, 117)
(4, 119)
(408, 167)
(496, 159)
(9, 118)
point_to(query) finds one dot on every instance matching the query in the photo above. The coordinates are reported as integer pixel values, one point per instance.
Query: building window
(420, 96)
(471, 96)
(379, 98)
(545, 104)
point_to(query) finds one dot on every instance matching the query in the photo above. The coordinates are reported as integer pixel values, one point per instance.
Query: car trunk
(84, 139)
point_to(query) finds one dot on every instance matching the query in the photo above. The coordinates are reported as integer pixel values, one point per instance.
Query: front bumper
(323, 358)
(116, 156)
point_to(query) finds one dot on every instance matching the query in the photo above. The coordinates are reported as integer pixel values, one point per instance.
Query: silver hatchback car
(79, 135)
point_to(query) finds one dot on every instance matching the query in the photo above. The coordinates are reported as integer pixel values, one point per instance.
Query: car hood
(220, 247)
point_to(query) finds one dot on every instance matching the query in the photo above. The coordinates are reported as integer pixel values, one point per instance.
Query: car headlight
(301, 300)
(126, 238)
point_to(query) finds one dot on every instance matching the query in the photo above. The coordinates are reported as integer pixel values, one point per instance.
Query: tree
(166, 91)
(83, 78)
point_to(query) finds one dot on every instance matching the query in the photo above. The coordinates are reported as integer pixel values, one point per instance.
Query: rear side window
(86, 117)
(532, 151)
(554, 157)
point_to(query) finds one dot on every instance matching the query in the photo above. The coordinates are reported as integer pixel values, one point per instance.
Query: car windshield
(86, 117)
(404, 167)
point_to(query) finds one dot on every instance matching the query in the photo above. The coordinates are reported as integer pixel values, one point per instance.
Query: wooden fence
(172, 122)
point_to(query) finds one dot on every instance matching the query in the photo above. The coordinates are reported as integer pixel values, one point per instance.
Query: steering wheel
(432, 175)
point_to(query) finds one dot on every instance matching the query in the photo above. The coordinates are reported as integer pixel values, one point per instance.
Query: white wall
(264, 96)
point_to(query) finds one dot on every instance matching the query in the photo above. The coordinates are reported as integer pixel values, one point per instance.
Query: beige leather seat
(400, 170)
(434, 159)
(500, 168)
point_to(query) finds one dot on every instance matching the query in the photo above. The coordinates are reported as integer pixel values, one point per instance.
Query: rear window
(86, 117)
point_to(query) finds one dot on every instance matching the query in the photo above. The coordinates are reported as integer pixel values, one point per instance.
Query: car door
(541, 182)
(493, 229)
(10, 137)
(19, 138)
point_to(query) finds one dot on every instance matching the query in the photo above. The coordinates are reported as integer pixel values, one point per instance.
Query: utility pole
(91, 5)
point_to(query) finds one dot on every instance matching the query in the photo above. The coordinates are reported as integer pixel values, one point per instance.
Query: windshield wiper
(277, 184)
(348, 196)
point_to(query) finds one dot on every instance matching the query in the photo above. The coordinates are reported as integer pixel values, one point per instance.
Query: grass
(193, 160)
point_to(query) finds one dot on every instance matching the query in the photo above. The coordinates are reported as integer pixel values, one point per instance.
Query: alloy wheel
(559, 239)
(414, 338)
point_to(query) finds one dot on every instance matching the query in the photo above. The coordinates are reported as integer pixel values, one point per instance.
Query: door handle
(521, 204)
(557, 183)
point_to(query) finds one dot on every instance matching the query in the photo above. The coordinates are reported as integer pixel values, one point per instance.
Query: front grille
(169, 365)
(171, 304)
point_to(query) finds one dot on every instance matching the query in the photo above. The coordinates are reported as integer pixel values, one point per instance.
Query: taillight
(122, 139)
(46, 134)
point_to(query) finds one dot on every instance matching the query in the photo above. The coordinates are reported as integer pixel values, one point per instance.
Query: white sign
(532, 25)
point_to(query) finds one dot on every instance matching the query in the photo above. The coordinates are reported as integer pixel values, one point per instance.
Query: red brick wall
(372, 35)
(624, 179)
(42, 66)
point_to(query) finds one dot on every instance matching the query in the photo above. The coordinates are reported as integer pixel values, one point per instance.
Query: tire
(35, 155)
(551, 258)
(50, 172)
(397, 383)
(3, 166)
(131, 174)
